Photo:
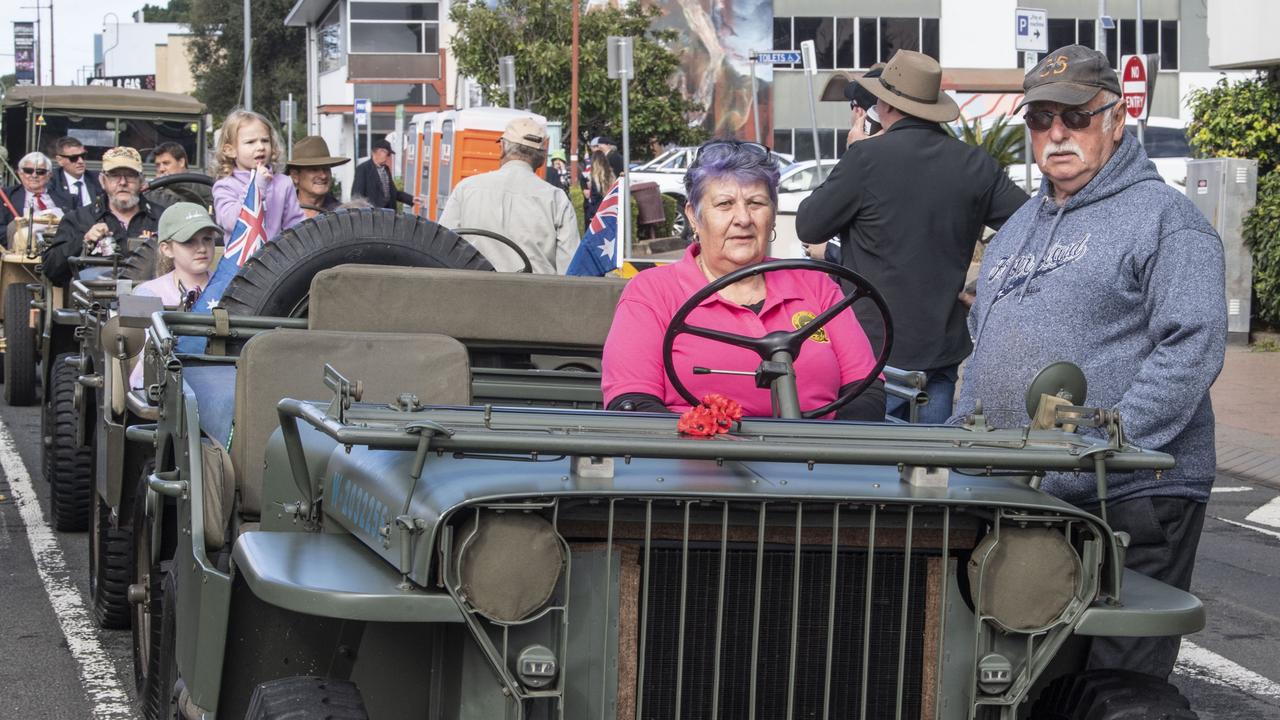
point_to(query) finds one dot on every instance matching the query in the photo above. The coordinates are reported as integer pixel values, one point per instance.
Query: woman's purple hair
(720, 159)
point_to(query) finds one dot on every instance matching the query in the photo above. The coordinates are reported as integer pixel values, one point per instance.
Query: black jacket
(68, 200)
(69, 241)
(909, 206)
(368, 186)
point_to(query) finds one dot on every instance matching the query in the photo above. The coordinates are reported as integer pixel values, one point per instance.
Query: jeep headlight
(508, 563)
(1024, 578)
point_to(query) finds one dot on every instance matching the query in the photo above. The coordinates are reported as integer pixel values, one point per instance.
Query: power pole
(573, 100)
(248, 60)
(53, 64)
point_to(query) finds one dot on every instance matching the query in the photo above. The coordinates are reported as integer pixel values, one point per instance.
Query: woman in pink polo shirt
(733, 195)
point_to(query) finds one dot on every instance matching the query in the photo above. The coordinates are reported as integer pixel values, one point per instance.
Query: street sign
(779, 57)
(1133, 83)
(1031, 30)
(362, 111)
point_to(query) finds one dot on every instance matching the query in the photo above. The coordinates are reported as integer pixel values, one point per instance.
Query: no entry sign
(1133, 83)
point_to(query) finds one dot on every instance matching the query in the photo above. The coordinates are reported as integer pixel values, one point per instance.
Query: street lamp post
(115, 41)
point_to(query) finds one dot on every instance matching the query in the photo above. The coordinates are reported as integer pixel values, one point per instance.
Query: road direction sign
(1031, 30)
(1133, 83)
(362, 111)
(779, 57)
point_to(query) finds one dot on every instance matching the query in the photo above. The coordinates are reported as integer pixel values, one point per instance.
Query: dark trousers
(1164, 533)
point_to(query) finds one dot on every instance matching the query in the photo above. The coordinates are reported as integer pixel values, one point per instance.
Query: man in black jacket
(374, 182)
(105, 226)
(72, 185)
(909, 206)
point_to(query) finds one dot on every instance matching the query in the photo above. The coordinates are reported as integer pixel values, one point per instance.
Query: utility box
(1225, 190)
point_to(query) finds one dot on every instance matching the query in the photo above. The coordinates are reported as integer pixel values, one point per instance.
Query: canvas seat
(290, 363)
(478, 308)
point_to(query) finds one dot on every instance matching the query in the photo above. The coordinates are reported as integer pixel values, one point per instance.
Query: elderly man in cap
(1112, 270)
(118, 214)
(514, 202)
(373, 180)
(311, 169)
(909, 206)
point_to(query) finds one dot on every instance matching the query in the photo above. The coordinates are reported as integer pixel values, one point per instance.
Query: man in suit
(374, 182)
(32, 194)
(72, 185)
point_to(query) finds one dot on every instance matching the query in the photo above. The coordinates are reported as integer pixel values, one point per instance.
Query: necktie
(383, 177)
(78, 200)
(40, 201)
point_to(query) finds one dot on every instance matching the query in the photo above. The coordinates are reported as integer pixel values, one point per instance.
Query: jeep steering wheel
(524, 258)
(779, 345)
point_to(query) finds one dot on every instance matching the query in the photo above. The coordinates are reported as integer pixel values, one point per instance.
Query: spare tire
(277, 280)
(142, 264)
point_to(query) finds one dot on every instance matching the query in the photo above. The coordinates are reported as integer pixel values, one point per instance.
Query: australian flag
(246, 238)
(598, 252)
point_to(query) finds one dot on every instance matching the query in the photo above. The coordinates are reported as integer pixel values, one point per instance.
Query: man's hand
(817, 251)
(95, 233)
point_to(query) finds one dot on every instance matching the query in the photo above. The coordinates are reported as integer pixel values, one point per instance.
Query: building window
(846, 43)
(329, 41)
(401, 27)
(398, 93)
(1159, 37)
(799, 142)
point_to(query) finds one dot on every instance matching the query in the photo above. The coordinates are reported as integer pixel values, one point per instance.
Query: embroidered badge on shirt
(804, 317)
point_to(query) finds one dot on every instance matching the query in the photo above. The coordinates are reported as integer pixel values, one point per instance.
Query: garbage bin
(648, 200)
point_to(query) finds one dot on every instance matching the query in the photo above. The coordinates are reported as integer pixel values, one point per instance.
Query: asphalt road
(54, 664)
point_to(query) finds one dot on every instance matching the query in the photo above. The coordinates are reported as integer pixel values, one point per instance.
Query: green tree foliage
(279, 55)
(539, 32)
(1242, 119)
(1002, 141)
(178, 11)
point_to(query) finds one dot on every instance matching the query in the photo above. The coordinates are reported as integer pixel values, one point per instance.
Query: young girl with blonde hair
(247, 142)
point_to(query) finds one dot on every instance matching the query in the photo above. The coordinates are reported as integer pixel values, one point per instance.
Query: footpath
(1246, 403)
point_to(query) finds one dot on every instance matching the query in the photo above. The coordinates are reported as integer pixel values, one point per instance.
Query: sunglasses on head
(73, 158)
(754, 148)
(34, 171)
(1073, 118)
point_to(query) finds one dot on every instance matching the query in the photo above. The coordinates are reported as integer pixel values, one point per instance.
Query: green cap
(183, 220)
(558, 155)
(1071, 75)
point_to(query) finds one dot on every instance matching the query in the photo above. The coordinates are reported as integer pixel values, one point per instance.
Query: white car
(798, 181)
(1166, 143)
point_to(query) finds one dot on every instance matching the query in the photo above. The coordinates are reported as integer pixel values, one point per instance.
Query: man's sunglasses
(1073, 118)
(754, 148)
(73, 158)
(34, 171)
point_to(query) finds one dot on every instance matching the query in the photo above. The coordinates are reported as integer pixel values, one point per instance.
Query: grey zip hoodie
(1125, 280)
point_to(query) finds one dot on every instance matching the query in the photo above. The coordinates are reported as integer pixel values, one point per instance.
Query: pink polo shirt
(834, 356)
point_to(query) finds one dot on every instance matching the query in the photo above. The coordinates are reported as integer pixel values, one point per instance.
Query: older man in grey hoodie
(1110, 269)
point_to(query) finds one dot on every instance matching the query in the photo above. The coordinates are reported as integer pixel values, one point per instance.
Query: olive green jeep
(363, 515)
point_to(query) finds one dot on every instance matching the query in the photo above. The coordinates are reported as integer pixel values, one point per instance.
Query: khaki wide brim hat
(313, 152)
(912, 83)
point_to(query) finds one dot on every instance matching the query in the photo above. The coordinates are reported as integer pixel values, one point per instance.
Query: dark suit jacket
(65, 199)
(18, 196)
(368, 186)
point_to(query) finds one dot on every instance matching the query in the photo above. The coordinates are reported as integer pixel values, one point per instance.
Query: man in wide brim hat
(909, 205)
(912, 84)
(311, 169)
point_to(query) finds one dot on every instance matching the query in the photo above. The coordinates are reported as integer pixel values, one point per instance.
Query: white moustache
(1066, 146)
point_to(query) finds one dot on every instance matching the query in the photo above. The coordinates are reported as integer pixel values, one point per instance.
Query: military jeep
(356, 518)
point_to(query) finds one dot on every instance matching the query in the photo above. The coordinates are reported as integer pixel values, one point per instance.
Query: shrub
(1001, 140)
(1242, 119)
(578, 199)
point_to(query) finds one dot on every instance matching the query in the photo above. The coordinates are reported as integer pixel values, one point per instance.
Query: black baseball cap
(1071, 75)
(383, 145)
(855, 93)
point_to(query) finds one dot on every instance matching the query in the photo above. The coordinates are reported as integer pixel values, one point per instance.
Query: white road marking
(1211, 667)
(1236, 489)
(1237, 523)
(1268, 514)
(98, 675)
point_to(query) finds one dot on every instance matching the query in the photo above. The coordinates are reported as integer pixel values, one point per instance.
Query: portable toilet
(421, 141)
(465, 143)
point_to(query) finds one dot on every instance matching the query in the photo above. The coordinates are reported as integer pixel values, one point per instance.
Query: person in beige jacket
(515, 203)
